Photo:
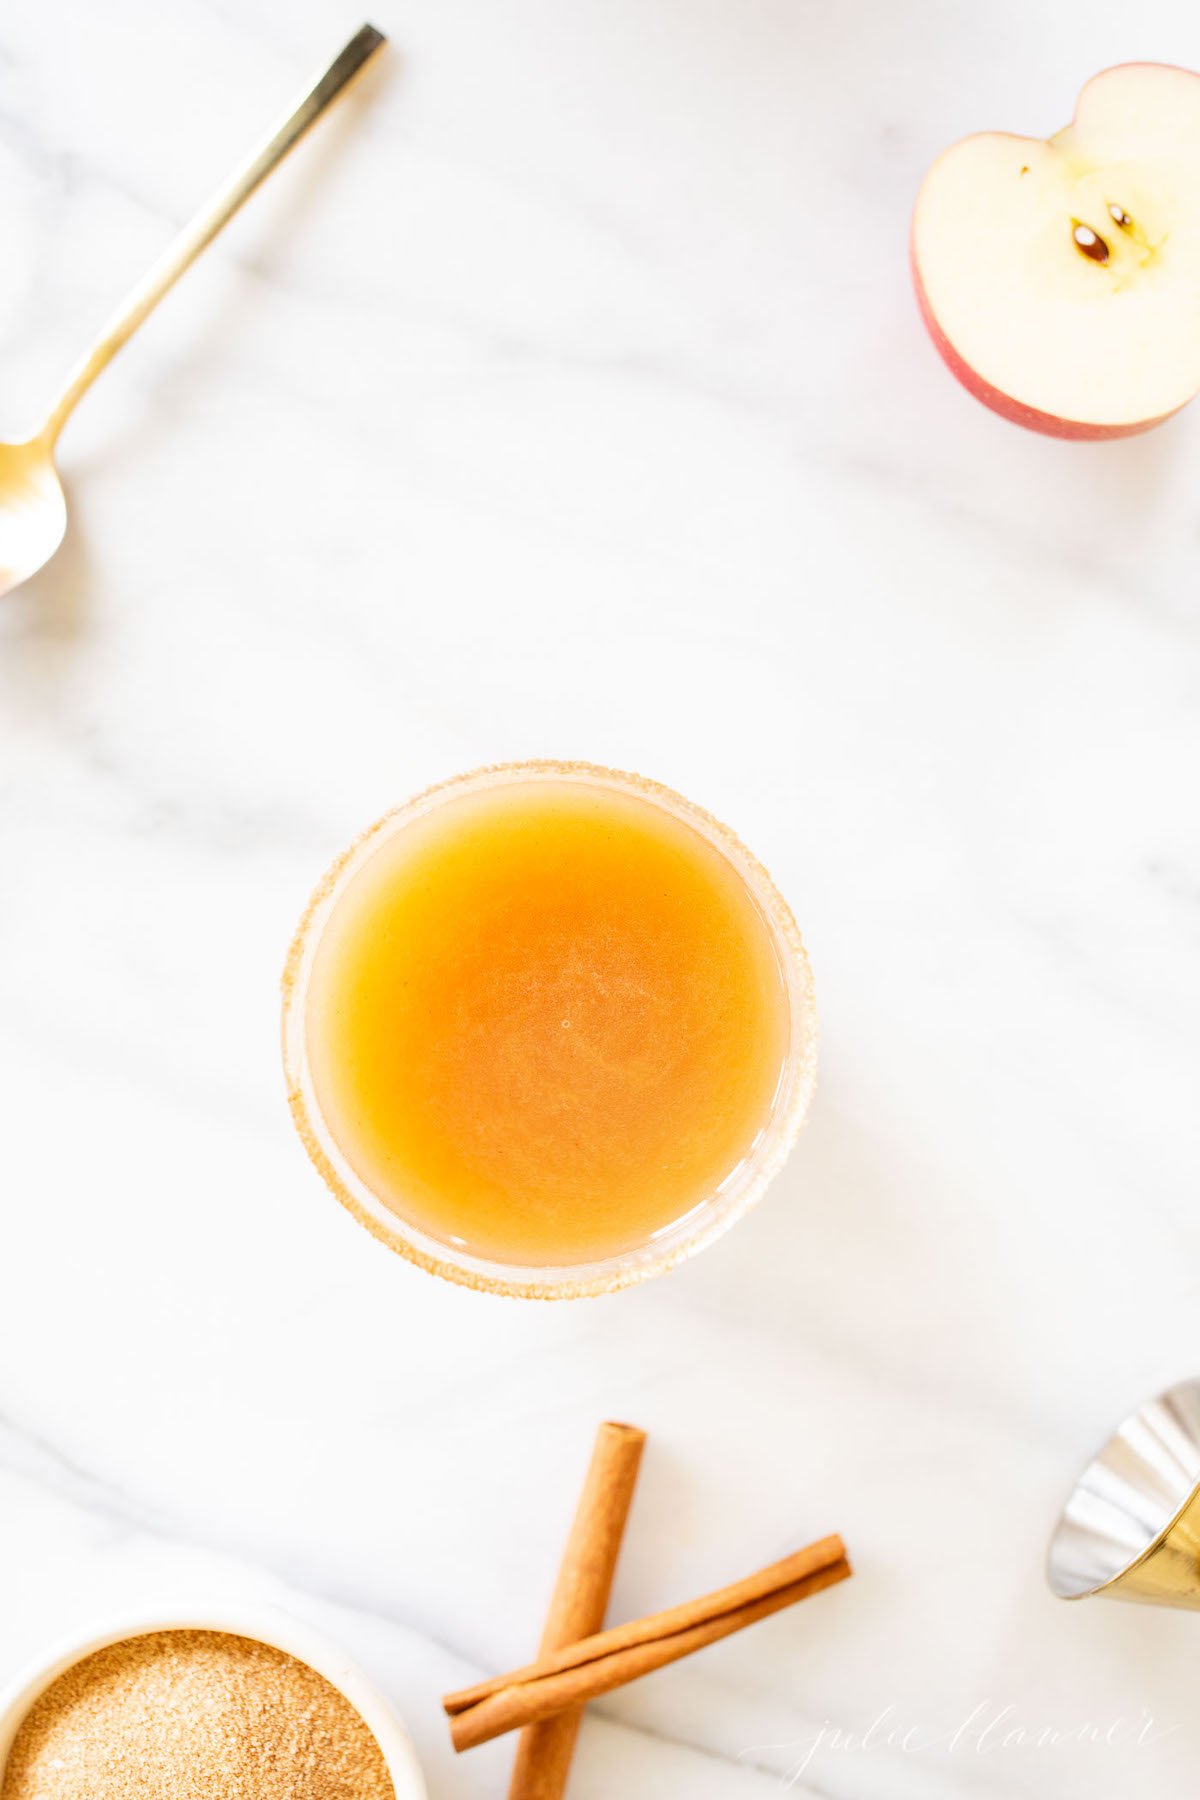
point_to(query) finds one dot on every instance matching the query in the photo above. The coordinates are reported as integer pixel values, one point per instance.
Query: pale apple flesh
(1060, 279)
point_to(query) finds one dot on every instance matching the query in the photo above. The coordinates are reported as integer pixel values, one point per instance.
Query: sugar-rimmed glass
(681, 1238)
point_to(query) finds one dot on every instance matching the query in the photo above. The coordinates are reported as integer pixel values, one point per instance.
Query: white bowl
(265, 1623)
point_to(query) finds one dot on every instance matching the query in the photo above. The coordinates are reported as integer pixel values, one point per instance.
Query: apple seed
(1089, 243)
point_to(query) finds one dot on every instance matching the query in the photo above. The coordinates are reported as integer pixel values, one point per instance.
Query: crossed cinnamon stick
(578, 1662)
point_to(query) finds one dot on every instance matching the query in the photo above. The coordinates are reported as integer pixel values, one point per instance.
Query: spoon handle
(211, 219)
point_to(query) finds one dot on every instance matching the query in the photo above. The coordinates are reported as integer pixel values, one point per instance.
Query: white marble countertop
(568, 397)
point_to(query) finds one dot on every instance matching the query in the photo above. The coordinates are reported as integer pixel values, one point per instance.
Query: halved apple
(1060, 279)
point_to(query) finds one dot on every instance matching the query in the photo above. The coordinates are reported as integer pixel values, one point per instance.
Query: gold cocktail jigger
(1131, 1529)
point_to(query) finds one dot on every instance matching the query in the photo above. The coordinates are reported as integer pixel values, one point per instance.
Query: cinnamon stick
(595, 1665)
(585, 1575)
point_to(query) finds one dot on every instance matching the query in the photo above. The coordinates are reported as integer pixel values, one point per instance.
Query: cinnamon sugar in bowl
(192, 1711)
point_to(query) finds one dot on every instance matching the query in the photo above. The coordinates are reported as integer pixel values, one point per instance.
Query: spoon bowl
(33, 510)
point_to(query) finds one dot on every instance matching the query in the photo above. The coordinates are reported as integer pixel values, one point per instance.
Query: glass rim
(683, 1237)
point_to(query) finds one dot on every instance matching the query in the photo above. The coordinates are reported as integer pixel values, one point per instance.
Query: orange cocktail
(542, 1018)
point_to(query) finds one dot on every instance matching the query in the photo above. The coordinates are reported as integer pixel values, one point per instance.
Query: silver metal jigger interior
(1131, 1528)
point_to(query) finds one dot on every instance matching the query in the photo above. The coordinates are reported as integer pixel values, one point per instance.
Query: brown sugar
(190, 1715)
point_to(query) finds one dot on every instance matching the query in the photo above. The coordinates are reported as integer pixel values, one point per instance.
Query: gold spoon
(33, 510)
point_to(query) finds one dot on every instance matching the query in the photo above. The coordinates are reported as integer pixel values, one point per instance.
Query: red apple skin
(1004, 404)
(1016, 410)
